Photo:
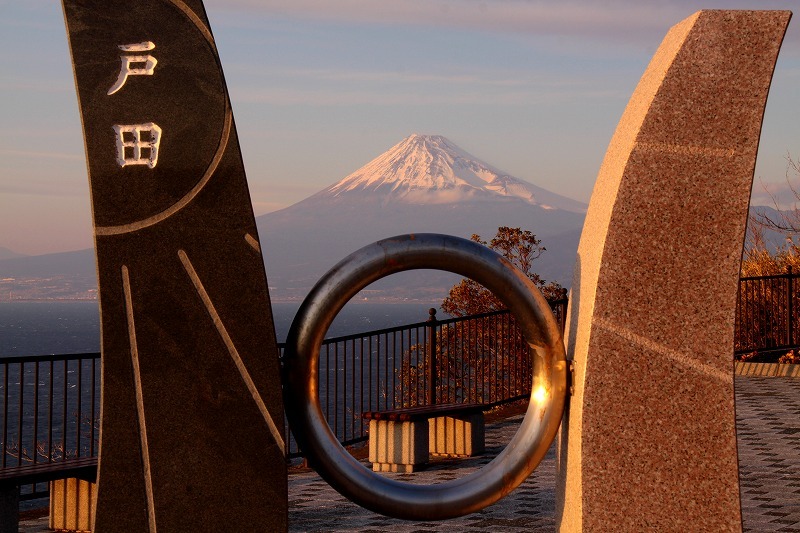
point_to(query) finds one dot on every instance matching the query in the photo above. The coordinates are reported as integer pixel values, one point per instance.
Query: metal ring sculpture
(460, 496)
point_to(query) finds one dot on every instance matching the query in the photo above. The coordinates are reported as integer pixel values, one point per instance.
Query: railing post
(789, 308)
(431, 356)
(562, 318)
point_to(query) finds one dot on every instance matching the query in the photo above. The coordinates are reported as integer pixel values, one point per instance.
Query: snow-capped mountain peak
(430, 169)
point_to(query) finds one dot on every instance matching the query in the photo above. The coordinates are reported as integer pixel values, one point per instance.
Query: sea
(69, 327)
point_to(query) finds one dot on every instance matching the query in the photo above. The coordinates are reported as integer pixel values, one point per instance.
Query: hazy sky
(320, 87)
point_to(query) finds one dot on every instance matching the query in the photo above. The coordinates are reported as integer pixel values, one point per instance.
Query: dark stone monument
(192, 416)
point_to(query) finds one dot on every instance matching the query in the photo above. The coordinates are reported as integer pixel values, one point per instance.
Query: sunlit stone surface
(649, 440)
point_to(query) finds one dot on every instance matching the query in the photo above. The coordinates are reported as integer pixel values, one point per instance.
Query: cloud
(357, 87)
(39, 155)
(48, 86)
(322, 97)
(42, 173)
(784, 195)
(615, 21)
(393, 77)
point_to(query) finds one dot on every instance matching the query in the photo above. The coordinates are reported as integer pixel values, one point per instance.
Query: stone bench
(69, 479)
(402, 440)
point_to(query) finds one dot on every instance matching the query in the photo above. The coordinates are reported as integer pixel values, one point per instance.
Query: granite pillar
(648, 441)
(192, 431)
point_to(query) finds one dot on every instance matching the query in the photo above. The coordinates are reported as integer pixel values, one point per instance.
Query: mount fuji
(429, 169)
(422, 184)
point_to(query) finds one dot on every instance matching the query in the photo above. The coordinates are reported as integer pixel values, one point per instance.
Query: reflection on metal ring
(466, 494)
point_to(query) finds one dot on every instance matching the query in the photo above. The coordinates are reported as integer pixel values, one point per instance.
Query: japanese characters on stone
(136, 144)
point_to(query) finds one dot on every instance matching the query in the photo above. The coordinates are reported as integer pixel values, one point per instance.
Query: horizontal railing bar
(355, 336)
(395, 329)
(281, 345)
(767, 350)
(771, 276)
(47, 358)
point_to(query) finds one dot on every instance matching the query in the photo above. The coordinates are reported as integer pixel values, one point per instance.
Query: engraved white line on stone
(686, 149)
(658, 348)
(137, 380)
(183, 202)
(252, 242)
(226, 338)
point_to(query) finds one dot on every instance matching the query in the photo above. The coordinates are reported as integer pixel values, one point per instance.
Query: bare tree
(785, 221)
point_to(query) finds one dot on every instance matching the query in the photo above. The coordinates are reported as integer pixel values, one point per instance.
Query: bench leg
(457, 436)
(71, 504)
(398, 446)
(9, 509)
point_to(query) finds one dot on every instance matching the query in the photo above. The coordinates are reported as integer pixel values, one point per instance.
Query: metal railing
(766, 313)
(477, 359)
(50, 408)
(50, 403)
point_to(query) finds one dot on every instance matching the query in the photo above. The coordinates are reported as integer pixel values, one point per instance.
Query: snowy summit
(430, 169)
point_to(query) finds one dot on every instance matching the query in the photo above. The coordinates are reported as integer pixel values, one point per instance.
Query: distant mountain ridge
(424, 184)
(773, 240)
(6, 253)
(62, 276)
(77, 263)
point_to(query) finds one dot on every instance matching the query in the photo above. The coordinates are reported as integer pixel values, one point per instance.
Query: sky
(320, 87)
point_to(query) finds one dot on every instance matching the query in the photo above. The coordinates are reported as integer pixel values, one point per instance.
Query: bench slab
(424, 412)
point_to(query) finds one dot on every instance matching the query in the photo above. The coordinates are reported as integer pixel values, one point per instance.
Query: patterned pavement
(315, 506)
(768, 434)
(768, 429)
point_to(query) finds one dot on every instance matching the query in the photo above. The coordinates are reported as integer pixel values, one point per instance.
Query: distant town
(17, 289)
(83, 288)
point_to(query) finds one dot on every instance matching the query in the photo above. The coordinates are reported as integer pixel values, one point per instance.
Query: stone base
(767, 369)
(405, 446)
(463, 436)
(398, 446)
(397, 468)
(71, 505)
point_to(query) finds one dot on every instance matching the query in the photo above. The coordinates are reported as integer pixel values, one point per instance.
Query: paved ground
(768, 427)
(768, 434)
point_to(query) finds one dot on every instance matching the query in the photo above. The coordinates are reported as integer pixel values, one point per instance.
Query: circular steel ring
(466, 494)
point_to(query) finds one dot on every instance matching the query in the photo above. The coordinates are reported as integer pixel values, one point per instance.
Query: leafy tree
(759, 261)
(482, 359)
(763, 312)
(522, 248)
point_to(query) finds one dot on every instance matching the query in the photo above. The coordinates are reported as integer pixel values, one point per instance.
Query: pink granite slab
(648, 441)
